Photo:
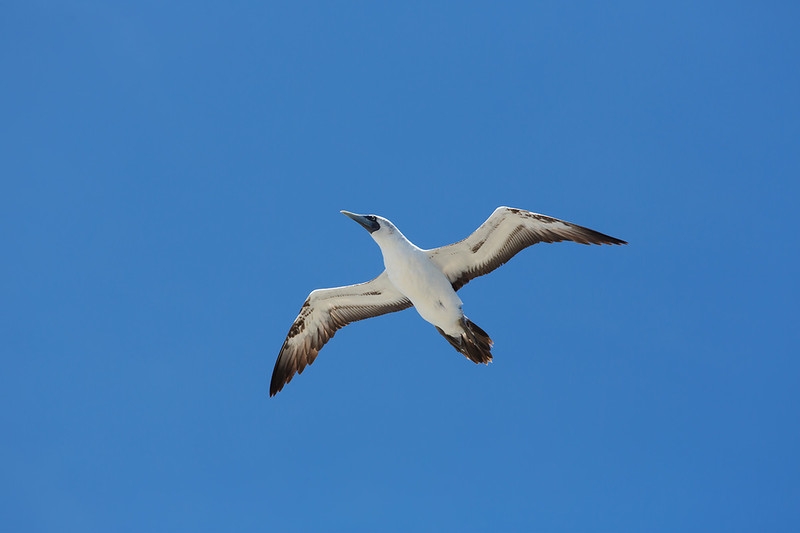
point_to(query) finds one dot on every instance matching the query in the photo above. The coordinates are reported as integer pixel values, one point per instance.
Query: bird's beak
(369, 225)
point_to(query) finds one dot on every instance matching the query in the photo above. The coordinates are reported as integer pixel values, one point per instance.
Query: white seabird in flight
(426, 279)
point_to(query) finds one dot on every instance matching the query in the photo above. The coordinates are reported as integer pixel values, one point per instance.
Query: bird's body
(425, 279)
(415, 275)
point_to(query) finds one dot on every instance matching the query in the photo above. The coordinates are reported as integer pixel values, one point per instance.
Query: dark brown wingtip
(282, 373)
(590, 236)
(275, 387)
(287, 365)
(279, 379)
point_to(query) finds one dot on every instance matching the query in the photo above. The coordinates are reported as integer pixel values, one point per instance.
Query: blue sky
(172, 176)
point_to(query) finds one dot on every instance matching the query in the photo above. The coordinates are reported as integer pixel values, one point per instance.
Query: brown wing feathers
(325, 312)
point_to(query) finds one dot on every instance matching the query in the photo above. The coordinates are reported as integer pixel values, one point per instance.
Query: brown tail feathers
(473, 342)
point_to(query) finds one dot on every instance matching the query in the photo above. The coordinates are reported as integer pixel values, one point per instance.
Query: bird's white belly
(428, 289)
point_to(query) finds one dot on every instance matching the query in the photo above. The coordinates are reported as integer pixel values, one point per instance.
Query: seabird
(425, 279)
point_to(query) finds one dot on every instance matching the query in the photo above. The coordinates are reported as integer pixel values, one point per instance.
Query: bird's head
(375, 225)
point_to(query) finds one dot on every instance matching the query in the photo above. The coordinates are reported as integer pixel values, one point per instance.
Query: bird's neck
(394, 243)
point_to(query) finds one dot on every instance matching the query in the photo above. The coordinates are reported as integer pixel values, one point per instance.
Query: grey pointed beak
(369, 224)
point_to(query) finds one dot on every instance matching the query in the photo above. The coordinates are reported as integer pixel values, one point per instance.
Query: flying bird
(425, 279)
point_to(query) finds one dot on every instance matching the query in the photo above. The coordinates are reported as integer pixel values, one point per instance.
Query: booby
(425, 279)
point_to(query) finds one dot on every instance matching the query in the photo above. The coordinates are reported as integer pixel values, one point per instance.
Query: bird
(428, 280)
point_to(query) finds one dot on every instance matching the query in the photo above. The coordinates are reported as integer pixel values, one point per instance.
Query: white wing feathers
(324, 312)
(501, 237)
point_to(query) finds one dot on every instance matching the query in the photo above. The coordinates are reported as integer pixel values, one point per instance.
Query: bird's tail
(473, 342)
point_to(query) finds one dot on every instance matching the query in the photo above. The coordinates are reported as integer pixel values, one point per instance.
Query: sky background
(170, 185)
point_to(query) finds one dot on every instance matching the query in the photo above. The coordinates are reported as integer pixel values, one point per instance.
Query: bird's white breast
(413, 273)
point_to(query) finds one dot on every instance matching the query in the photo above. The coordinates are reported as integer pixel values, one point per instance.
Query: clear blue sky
(172, 175)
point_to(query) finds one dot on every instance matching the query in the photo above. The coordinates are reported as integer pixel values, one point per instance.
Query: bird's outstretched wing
(324, 312)
(501, 237)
